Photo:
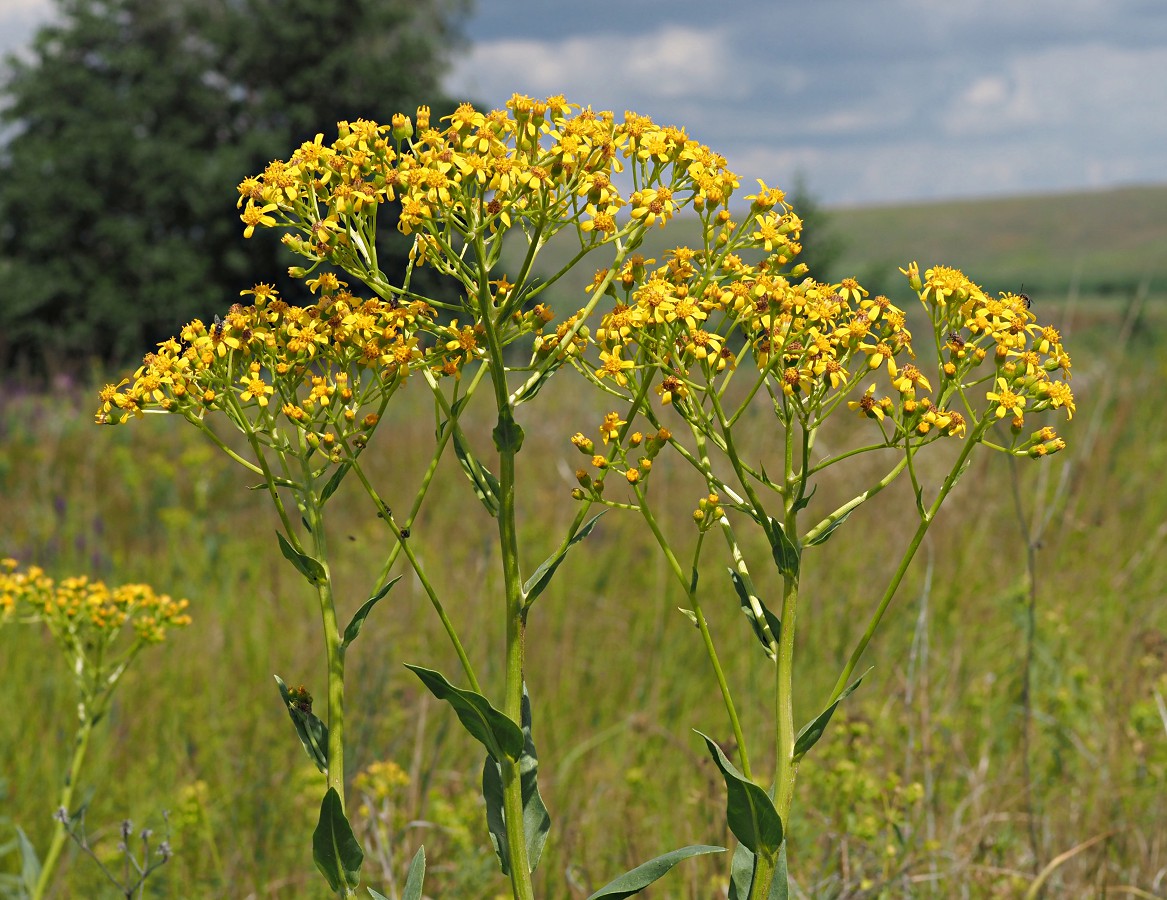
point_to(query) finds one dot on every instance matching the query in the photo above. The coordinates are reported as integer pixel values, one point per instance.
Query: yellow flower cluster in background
(83, 613)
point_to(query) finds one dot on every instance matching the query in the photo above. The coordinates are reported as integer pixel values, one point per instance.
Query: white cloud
(617, 71)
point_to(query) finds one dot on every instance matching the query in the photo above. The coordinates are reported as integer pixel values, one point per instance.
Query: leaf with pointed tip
(542, 576)
(358, 620)
(813, 730)
(747, 597)
(486, 486)
(642, 876)
(529, 390)
(690, 615)
(750, 812)
(824, 535)
(334, 482)
(312, 732)
(335, 849)
(30, 864)
(377, 895)
(536, 819)
(785, 553)
(804, 501)
(500, 736)
(305, 564)
(413, 881)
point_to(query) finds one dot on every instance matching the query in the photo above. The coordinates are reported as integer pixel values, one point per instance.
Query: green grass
(618, 677)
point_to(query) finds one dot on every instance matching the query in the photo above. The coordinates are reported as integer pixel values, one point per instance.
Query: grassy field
(935, 779)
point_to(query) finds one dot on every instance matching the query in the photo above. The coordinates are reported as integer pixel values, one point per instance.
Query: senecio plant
(100, 631)
(686, 347)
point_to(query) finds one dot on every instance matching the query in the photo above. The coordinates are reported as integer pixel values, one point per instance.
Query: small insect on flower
(217, 328)
(1024, 297)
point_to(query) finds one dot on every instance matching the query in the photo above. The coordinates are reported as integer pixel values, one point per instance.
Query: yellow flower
(867, 405)
(610, 428)
(612, 366)
(1005, 400)
(256, 215)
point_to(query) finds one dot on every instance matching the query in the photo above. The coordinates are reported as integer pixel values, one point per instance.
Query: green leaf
(508, 436)
(804, 501)
(530, 389)
(486, 486)
(750, 812)
(501, 737)
(358, 620)
(334, 482)
(335, 849)
(377, 895)
(30, 864)
(748, 597)
(824, 535)
(813, 730)
(643, 875)
(741, 877)
(541, 577)
(312, 732)
(416, 876)
(305, 564)
(536, 819)
(786, 554)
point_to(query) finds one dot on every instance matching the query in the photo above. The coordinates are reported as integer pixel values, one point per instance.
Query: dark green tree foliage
(129, 125)
(821, 247)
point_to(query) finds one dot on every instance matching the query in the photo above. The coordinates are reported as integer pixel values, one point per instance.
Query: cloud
(674, 64)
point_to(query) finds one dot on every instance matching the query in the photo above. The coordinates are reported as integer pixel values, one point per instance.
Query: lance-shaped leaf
(813, 730)
(749, 812)
(536, 819)
(416, 876)
(501, 737)
(541, 577)
(821, 537)
(334, 481)
(642, 876)
(751, 605)
(533, 386)
(741, 877)
(784, 551)
(485, 485)
(312, 732)
(30, 864)
(305, 564)
(335, 849)
(358, 620)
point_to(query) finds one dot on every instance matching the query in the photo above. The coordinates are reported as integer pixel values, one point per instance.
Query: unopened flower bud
(585, 444)
(402, 127)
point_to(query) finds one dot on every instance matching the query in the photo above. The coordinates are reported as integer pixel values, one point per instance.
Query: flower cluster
(324, 369)
(84, 613)
(688, 324)
(534, 161)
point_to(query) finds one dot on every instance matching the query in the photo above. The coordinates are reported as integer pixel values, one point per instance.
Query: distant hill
(1106, 241)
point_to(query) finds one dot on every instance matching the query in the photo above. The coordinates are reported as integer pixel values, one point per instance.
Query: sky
(868, 101)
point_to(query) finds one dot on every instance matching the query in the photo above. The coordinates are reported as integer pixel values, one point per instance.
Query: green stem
(925, 521)
(506, 442)
(60, 832)
(334, 653)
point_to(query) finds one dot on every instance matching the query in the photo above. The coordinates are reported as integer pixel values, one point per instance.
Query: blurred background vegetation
(1016, 709)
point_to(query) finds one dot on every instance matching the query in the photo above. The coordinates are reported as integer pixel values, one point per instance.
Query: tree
(821, 248)
(132, 121)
